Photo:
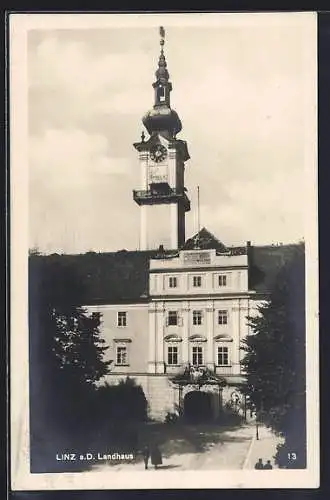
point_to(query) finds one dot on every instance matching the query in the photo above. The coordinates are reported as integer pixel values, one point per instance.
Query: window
(161, 93)
(172, 355)
(222, 317)
(197, 281)
(172, 281)
(172, 319)
(121, 355)
(197, 317)
(122, 318)
(197, 355)
(223, 356)
(222, 280)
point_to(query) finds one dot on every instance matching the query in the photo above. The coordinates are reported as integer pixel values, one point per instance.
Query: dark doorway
(198, 407)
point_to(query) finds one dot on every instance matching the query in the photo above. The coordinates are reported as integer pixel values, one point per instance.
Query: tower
(162, 196)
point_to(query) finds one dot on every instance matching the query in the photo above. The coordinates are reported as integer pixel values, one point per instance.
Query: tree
(119, 411)
(122, 403)
(66, 352)
(274, 362)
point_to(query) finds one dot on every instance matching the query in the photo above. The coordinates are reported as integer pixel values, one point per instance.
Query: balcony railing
(217, 370)
(225, 370)
(170, 195)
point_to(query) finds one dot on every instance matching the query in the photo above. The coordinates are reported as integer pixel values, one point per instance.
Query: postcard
(164, 258)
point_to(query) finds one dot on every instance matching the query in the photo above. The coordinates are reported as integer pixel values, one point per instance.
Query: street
(230, 449)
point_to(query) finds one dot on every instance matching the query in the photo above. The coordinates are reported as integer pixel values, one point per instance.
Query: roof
(118, 277)
(204, 240)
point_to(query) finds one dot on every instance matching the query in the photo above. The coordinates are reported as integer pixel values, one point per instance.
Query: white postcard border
(21, 478)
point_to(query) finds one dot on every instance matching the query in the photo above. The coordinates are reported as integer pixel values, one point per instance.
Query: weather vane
(162, 35)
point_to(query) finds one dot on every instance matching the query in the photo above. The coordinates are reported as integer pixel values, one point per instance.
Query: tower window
(122, 318)
(197, 355)
(161, 93)
(172, 281)
(172, 355)
(172, 319)
(223, 356)
(222, 317)
(197, 317)
(222, 280)
(197, 281)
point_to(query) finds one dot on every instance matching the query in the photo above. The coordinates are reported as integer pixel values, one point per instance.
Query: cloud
(271, 209)
(239, 93)
(78, 192)
(72, 159)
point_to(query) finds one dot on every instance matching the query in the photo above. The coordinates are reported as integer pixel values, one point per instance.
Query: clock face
(158, 153)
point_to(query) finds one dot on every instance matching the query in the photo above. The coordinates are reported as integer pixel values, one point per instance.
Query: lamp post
(257, 427)
(259, 414)
(245, 407)
(257, 411)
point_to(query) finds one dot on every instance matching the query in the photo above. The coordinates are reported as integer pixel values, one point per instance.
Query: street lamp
(254, 391)
(246, 404)
(257, 427)
(259, 414)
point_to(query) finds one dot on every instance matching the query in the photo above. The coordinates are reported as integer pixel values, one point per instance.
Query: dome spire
(162, 74)
(162, 119)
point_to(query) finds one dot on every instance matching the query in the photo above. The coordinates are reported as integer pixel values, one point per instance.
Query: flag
(162, 32)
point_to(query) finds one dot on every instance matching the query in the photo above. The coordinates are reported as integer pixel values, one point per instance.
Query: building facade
(175, 308)
(195, 316)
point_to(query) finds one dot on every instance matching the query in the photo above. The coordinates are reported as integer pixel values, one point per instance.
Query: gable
(204, 240)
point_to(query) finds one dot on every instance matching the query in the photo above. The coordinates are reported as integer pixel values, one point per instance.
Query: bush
(230, 415)
(121, 403)
(171, 418)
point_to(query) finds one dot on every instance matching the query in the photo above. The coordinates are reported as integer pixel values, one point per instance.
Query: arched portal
(197, 407)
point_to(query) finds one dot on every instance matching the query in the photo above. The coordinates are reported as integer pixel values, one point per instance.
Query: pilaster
(143, 227)
(143, 169)
(160, 316)
(174, 225)
(152, 340)
(185, 332)
(210, 336)
(235, 328)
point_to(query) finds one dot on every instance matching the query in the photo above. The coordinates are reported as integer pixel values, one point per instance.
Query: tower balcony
(161, 196)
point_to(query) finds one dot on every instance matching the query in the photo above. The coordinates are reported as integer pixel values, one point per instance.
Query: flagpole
(198, 210)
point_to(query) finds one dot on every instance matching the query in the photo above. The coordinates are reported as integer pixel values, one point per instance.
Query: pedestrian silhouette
(156, 456)
(146, 455)
(259, 465)
(268, 465)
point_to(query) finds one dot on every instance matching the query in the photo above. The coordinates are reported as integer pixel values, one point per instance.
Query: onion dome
(162, 119)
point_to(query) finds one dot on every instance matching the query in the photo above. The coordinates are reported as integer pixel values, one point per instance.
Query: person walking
(259, 465)
(146, 455)
(156, 456)
(268, 465)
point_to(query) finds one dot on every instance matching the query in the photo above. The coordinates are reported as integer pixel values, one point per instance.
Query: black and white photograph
(164, 260)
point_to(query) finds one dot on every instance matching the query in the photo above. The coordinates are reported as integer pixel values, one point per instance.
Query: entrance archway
(197, 407)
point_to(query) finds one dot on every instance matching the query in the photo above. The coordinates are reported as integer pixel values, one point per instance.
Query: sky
(240, 92)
